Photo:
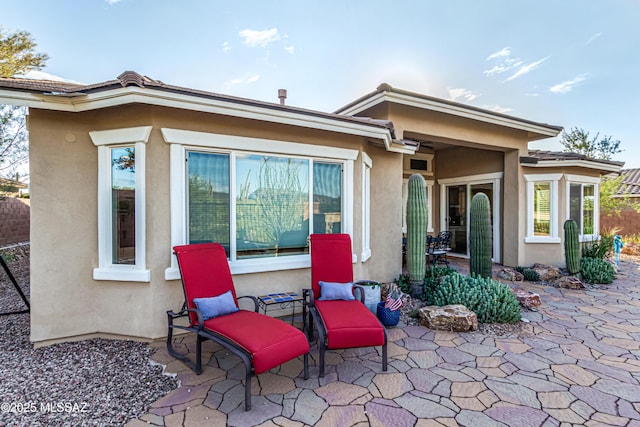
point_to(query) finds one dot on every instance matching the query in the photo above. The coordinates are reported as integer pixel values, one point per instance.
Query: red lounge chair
(340, 323)
(262, 342)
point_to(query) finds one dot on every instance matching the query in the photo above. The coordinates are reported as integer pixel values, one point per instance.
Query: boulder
(456, 318)
(510, 274)
(527, 299)
(547, 272)
(569, 282)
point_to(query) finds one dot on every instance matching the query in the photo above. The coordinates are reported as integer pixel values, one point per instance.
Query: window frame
(181, 141)
(367, 165)
(553, 180)
(106, 140)
(583, 180)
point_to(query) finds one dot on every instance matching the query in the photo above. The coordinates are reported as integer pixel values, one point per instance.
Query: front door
(456, 215)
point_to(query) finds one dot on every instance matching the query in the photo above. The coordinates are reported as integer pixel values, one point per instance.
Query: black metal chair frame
(314, 317)
(439, 246)
(206, 334)
(15, 285)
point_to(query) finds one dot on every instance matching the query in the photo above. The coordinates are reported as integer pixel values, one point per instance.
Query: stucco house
(123, 170)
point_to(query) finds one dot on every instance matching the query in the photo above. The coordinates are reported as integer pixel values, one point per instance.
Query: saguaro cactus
(480, 238)
(416, 233)
(571, 246)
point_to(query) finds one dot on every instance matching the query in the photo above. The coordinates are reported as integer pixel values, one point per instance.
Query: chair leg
(384, 356)
(247, 389)
(199, 354)
(321, 358)
(306, 366)
(309, 324)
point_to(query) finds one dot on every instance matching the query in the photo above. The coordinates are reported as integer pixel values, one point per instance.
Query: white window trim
(496, 179)
(553, 206)
(179, 140)
(595, 181)
(105, 140)
(367, 165)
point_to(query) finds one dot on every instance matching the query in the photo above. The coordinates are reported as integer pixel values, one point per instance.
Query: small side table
(280, 301)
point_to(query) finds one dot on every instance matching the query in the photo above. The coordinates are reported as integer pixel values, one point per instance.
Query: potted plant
(371, 291)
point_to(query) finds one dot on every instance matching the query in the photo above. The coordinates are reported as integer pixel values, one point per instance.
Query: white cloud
(290, 49)
(503, 62)
(497, 108)
(568, 85)
(243, 80)
(592, 38)
(113, 1)
(462, 94)
(226, 47)
(526, 69)
(504, 52)
(254, 38)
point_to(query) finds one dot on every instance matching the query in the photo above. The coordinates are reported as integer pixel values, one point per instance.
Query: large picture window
(275, 207)
(583, 204)
(260, 205)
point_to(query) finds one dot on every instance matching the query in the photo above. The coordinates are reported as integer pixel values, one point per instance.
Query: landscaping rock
(456, 318)
(510, 274)
(569, 282)
(527, 299)
(547, 273)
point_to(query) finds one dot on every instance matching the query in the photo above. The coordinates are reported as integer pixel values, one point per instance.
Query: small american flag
(394, 300)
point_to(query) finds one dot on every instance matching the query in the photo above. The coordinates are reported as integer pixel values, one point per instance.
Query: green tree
(17, 54)
(579, 141)
(611, 201)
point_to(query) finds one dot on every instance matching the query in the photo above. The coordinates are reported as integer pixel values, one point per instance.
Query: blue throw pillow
(330, 291)
(216, 306)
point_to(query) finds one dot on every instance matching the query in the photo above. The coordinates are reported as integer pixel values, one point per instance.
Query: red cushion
(271, 342)
(205, 272)
(350, 324)
(330, 260)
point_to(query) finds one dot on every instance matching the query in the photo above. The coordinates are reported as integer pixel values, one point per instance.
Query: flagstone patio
(577, 362)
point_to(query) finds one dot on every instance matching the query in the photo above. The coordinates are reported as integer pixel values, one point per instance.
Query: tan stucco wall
(462, 161)
(442, 127)
(549, 253)
(67, 302)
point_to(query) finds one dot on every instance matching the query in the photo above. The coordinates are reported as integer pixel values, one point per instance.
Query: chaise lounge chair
(262, 342)
(342, 321)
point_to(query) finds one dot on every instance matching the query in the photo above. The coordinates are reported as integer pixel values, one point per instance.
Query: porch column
(512, 210)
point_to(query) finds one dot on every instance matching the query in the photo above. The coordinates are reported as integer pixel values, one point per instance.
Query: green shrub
(596, 270)
(598, 248)
(432, 280)
(529, 274)
(403, 283)
(493, 302)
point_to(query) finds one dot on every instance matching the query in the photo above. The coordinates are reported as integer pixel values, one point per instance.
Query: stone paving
(577, 362)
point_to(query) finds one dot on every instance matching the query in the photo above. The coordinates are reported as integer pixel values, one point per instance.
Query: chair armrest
(183, 313)
(307, 297)
(252, 298)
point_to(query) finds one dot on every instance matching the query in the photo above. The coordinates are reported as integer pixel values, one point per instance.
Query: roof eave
(589, 164)
(534, 130)
(133, 94)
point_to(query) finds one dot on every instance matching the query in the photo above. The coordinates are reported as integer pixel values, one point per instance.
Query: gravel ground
(91, 382)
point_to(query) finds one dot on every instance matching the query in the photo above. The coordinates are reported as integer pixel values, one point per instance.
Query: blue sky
(568, 63)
